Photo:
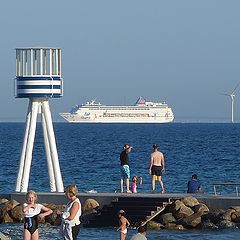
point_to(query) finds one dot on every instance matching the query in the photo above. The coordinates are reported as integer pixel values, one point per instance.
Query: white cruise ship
(142, 112)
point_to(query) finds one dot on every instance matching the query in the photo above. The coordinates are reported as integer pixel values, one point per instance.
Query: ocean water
(89, 157)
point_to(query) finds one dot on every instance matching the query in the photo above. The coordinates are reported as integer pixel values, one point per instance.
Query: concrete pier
(212, 201)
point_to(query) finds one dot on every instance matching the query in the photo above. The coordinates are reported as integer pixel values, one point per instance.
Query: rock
(201, 208)
(9, 205)
(3, 200)
(6, 211)
(208, 225)
(175, 206)
(190, 201)
(90, 204)
(191, 221)
(228, 215)
(226, 224)
(236, 208)
(167, 218)
(183, 211)
(17, 214)
(154, 225)
(54, 218)
(214, 216)
(173, 226)
(235, 217)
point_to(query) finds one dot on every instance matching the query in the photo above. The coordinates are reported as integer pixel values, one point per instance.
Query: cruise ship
(142, 112)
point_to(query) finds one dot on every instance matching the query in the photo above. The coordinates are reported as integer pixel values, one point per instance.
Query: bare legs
(127, 185)
(159, 178)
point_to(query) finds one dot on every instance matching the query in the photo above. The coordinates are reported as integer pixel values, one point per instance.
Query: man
(141, 235)
(125, 170)
(156, 168)
(194, 185)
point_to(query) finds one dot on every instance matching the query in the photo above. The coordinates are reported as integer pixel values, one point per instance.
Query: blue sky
(182, 52)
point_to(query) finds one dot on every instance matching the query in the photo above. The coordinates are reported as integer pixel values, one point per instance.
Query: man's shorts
(125, 171)
(156, 170)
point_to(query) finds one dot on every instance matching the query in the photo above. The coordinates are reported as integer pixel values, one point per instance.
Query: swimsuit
(156, 170)
(31, 217)
(31, 223)
(124, 231)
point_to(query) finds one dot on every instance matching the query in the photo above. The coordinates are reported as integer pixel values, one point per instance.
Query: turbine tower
(38, 77)
(232, 96)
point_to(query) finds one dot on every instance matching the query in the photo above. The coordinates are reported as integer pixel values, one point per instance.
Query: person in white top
(70, 226)
(32, 211)
(141, 235)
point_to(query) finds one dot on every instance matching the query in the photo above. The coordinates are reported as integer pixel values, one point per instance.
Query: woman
(32, 211)
(70, 217)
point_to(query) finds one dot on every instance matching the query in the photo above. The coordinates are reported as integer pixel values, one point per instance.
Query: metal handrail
(226, 184)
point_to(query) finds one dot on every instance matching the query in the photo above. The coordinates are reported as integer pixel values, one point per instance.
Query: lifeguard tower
(38, 77)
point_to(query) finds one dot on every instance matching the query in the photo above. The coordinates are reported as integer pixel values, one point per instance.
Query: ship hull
(74, 118)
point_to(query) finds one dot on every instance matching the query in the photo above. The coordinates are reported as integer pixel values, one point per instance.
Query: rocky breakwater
(11, 211)
(189, 213)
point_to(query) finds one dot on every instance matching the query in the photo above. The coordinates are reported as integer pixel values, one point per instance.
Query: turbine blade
(235, 88)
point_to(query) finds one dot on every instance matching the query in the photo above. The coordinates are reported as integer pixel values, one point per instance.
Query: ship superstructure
(142, 112)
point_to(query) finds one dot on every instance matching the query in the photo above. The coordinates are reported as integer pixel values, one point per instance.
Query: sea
(89, 157)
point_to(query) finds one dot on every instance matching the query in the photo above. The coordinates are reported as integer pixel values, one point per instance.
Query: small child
(134, 184)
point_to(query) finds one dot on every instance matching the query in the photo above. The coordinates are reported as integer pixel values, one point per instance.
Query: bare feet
(128, 191)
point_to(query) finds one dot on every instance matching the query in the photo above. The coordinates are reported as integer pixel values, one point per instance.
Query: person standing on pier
(32, 212)
(125, 170)
(156, 168)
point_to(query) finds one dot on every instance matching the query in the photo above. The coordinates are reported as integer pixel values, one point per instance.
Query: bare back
(157, 158)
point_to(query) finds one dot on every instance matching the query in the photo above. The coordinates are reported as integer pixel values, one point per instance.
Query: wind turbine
(232, 95)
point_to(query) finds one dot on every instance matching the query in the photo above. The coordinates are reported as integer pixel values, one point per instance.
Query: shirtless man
(156, 168)
(123, 224)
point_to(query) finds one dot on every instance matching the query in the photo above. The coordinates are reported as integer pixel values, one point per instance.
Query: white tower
(38, 77)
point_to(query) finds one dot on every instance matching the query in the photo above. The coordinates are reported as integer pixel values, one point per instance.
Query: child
(32, 211)
(134, 184)
(123, 224)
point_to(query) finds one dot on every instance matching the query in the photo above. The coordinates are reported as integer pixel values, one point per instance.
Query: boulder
(201, 207)
(17, 214)
(183, 212)
(214, 216)
(190, 201)
(3, 200)
(235, 217)
(175, 206)
(228, 215)
(90, 204)
(173, 226)
(167, 218)
(208, 225)
(226, 224)
(154, 225)
(191, 221)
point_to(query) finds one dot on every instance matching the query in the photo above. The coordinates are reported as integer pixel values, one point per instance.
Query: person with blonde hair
(32, 211)
(70, 226)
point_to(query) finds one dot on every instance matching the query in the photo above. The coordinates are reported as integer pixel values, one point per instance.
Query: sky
(185, 53)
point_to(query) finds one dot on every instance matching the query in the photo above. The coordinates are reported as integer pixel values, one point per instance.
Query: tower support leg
(23, 154)
(29, 146)
(52, 145)
(48, 155)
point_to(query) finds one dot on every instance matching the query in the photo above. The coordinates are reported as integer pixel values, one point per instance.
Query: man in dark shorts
(125, 170)
(156, 168)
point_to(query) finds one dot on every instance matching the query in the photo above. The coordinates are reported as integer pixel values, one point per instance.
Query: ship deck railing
(226, 184)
